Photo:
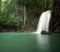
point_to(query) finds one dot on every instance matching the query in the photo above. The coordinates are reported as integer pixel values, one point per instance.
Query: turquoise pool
(29, 42)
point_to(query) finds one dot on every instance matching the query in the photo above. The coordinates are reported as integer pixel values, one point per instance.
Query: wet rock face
(55, 18)
(57, 1)
(44, 32)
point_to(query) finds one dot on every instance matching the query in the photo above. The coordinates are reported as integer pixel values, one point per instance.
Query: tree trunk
(16, 8)
(25, 16)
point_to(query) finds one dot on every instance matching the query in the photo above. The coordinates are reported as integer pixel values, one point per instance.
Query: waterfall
(43, 24)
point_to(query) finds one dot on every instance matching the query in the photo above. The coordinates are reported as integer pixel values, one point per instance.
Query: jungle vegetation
(22, 15)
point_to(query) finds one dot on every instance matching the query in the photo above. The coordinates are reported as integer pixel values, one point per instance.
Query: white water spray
(43, 24)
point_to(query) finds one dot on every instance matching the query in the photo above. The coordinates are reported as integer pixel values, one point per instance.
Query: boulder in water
(45, 32)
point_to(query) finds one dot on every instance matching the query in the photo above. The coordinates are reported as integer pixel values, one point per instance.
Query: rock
(44, 32)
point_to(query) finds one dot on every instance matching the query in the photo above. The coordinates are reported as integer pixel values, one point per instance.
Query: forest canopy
(22, 15)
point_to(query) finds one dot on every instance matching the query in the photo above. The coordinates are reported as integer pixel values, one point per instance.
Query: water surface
(29, 42)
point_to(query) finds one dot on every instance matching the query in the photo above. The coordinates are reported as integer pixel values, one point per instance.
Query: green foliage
(7, 17)
(26, 2)
(11, 11)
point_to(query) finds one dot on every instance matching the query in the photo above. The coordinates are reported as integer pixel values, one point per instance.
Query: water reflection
(27, 42)
(43, 43)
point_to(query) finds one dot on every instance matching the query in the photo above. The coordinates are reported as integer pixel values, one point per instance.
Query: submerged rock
(45, 32)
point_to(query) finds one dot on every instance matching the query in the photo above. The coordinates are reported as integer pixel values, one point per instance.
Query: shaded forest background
(22, 15)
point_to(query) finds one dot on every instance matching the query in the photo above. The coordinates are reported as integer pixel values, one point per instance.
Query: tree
(30, 8)
(26, 4)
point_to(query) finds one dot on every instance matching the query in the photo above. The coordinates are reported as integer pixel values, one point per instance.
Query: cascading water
(43, 24)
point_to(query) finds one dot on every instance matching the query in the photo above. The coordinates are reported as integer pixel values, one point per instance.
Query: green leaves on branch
(7, 13)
